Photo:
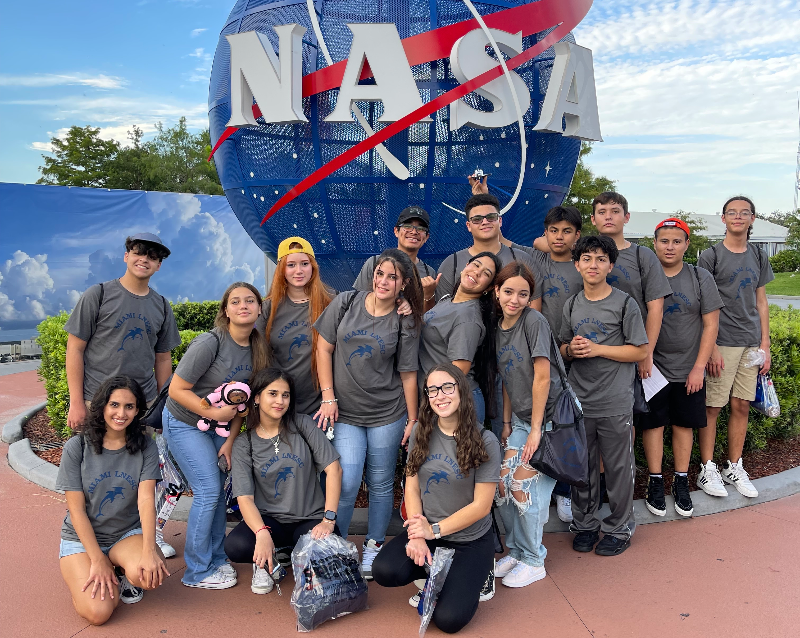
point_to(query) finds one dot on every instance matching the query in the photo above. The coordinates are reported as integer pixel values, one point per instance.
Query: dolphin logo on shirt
(553, 291)
(132, 334)
(612, 279)
(109, 498)
(297, 342)
(283, 474)
(672, 308)
(439, 476)
(592, 336)
(509, 366)
(744, 283)
(361, 351)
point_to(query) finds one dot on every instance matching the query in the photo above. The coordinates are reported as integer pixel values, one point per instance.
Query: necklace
(275, 441)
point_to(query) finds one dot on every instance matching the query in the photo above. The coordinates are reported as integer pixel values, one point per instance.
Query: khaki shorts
(735, 379)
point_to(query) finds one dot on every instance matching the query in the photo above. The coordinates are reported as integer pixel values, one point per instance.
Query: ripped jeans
(524, 517)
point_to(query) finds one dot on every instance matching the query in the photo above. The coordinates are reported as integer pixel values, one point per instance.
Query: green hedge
(786, 261)
(187, 336)
(53, 340)
(195, 315)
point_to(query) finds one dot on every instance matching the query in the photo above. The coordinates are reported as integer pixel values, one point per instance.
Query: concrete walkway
(732, 574)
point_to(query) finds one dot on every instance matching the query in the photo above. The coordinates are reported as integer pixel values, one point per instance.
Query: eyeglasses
(491, 217)
(409, 227)
(738, 214)
(432, 391)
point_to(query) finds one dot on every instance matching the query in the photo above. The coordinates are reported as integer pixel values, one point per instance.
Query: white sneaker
(523, 575)
(735, 474)
(129, 594)
(166, 549)
(487, 591)
(262, 581)
(217, 580)
(564, 508)
(710, 481)
(371, 549)
(414, 600)
(504, 566)
(227, 569)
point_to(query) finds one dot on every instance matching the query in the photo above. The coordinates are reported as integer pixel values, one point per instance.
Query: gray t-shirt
(110, 484)
(364, 279)
(738, 275)
(370, 353)
(604, 387)
(450, 332)
(291, 341)
(206, 372)
(682, 327)
(556, 281)
(445, 489)
(651, 280)
(516, 349)
(284, 485)
(452, 266)
(122, 335)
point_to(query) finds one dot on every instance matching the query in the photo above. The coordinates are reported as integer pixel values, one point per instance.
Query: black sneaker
(585, 541)
(611, 546)
(683, 500)
(487, 591)
(655, 500)
(128, 594)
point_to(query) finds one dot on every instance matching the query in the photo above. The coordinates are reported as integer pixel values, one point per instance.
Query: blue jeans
(378, 447)
(196, 454)
(524, 521)
(480, 405)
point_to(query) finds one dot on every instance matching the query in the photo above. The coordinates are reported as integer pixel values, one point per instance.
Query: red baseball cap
(674, 222)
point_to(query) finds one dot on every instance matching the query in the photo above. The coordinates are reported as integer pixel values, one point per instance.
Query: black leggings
(458, 599)
(241, 542)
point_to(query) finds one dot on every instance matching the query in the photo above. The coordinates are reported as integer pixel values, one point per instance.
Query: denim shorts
(68, 548)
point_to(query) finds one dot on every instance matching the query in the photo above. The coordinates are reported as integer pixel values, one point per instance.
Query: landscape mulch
(778, 456)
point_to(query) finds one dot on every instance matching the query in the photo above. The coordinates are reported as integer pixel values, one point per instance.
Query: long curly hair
(409, 278)
(485, 362)
(470, 450)
(263, 379)
(318, 295)
(259, 349)
(94, 427)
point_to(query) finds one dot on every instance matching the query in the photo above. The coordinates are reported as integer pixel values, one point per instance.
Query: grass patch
(785, 283)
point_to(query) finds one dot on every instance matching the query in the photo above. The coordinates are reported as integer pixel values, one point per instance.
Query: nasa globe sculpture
(330, 117)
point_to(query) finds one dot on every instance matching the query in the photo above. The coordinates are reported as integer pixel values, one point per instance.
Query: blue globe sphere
(350, 215)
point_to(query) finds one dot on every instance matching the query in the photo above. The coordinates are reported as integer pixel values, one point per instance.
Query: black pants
(241, 542)
(458, 599)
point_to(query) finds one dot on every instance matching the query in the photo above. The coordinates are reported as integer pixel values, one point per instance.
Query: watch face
(330, 516)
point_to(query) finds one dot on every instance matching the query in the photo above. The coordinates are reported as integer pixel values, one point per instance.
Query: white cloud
(54, 79)
(198, 53)
(196, 32)
(27, 289)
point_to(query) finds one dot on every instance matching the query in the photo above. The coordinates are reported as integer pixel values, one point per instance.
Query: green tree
(80, 159)
(698, 242)
(585, 187)
(790, 221)
(128, 170)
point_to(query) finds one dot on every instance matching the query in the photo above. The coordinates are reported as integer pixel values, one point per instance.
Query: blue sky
(697, 98)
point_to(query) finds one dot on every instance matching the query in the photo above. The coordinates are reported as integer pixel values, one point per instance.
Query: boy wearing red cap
(687, 336)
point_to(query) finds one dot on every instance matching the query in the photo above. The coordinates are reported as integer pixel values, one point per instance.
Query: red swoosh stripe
(436, 44)
(569, 19)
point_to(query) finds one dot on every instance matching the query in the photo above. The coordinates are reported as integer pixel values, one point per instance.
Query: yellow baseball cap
(283, 247)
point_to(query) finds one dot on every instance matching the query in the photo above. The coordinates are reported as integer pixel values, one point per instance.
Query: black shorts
(672, 406)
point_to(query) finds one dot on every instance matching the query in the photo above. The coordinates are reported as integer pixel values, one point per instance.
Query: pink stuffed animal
(234, 393)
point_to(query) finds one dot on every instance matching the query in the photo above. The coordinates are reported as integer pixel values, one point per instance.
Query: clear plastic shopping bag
(753, 358)
(328, 580)
(171, 485)
(442, 559)
(766, 400)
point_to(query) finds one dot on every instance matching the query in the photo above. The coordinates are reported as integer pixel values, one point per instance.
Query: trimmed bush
(195, 315)
(187, 336)
(786, 261)
(53, 340)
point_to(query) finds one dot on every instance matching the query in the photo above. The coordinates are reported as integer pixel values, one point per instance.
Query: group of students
(417, 359)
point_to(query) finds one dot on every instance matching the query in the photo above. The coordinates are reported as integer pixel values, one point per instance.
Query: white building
(766, 235)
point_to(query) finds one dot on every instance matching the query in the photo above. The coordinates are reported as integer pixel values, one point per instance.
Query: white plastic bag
(766, 400)
(442, 559)
(328, 580)
(171, 485)
(754, 358)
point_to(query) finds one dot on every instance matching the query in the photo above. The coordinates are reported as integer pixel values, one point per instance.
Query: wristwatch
(437, 533)
(330, 516)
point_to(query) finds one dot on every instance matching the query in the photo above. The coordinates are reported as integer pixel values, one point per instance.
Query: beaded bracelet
(330, 401)
(324, 389)
(263, 528)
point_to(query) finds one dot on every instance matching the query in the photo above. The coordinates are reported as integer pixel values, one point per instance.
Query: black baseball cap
(150, 238)
(414, 212)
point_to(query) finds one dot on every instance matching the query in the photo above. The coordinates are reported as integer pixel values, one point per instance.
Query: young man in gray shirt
(741, 272)
(688, 333)
(122, 327)
(412, 231)
(603, 336)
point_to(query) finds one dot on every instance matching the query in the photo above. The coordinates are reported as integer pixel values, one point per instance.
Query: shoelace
(682, 490)
(739, 472)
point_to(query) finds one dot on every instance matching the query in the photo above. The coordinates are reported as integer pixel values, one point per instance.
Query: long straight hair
(94, 427)
(259, 349)
(409, 279)
(318, 297)
(263, 379)
(470, 450)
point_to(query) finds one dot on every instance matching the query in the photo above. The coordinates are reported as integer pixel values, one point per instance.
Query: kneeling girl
(452, 472)
(275, 468)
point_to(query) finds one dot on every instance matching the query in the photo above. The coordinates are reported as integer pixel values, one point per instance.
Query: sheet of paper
(654, 384)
